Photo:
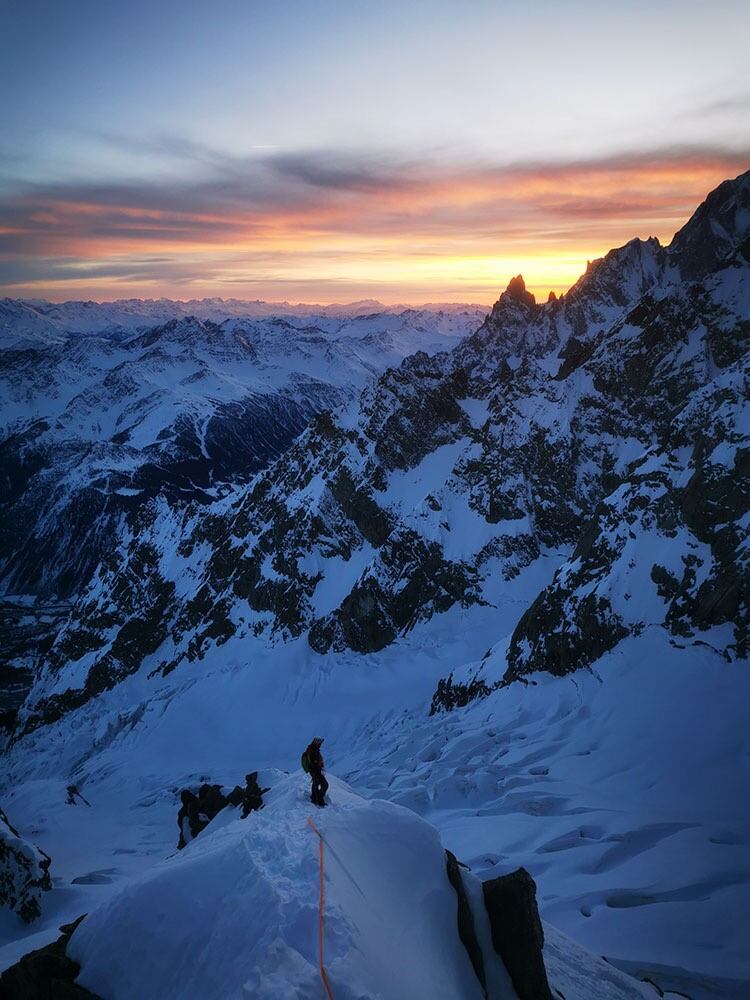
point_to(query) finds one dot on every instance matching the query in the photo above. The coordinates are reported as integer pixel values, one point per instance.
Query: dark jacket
(314, 758)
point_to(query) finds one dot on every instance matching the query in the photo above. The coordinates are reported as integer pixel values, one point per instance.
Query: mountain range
(430, 529)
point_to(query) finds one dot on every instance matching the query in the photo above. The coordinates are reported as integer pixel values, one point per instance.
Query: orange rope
(323, 974)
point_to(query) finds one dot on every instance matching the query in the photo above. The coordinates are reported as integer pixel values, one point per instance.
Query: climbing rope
(323, 974)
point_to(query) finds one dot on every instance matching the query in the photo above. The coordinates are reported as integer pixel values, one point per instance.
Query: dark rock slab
(24, 873)
(466, 929)
(517, 933)
(46, 974)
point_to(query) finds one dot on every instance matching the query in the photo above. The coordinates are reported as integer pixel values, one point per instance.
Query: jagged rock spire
(517, 290)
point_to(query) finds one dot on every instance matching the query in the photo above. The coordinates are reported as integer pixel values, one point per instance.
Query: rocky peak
(517, 290)
(622, 275)
(715, 230)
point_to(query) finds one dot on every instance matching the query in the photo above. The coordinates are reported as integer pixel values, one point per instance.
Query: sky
(334, 151)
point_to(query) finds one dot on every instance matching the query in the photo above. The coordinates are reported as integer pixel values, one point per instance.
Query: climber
(253, 797)
(312, 762)
(212, 800)
(186, 818)
(73, 792)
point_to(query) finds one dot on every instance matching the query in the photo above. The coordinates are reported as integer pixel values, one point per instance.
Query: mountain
(98, 421)
(599, 427)
(28, 320)
(522, 536)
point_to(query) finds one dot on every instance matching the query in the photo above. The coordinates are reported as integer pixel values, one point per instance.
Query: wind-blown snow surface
(247, 894)
(622, 791)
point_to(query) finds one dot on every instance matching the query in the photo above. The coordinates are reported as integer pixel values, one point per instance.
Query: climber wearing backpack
(312, 763)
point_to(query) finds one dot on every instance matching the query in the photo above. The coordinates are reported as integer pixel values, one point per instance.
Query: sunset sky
(318, 152)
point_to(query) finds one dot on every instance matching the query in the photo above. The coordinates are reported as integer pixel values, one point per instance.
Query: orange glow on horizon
(450, 234)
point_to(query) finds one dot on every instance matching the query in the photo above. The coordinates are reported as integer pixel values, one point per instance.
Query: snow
(338, 577)
(408, 488)
(623, 791)
(477, 410)
(247, 896)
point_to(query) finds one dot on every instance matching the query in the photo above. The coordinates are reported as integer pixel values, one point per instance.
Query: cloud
(279, 218)
(724, 105)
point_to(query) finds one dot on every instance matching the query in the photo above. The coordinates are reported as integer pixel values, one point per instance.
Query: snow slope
(247, 893)
(623, 790)
(617, 789)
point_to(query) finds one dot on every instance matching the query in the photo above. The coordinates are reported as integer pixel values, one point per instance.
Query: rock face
(46, 974)
(607, 428)
(517, 933)
(27, 632)
(465, 919)
(24, 873)
(670, 542)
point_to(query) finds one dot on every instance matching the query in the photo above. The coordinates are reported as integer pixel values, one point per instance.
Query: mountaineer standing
(312, 763)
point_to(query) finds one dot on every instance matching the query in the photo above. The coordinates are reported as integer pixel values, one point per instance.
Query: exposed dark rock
(46, 974)
(449, 695)
(24, 873)
(517, 290)
(712, 231)
(574, 354)
(560, 634)
(413, 582)
(27, 633)
(466, 929)
(359, 506)
(517, 933)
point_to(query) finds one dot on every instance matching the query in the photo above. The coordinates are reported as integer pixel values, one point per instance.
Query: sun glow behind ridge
(287, 229)
(373, 152)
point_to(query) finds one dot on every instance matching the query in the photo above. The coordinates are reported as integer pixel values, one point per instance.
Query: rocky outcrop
(46, 973)
(449, 694)
(517, 933)
(689, 502)
(27, 632)
(24, 873)
(465, 919)
(515, 927)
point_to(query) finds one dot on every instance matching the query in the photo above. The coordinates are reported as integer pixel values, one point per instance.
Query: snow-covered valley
(506, 578)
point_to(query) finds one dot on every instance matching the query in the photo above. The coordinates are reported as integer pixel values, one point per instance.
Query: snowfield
(615, 788)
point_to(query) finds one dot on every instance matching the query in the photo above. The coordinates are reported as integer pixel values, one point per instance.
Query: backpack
(305, 763)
